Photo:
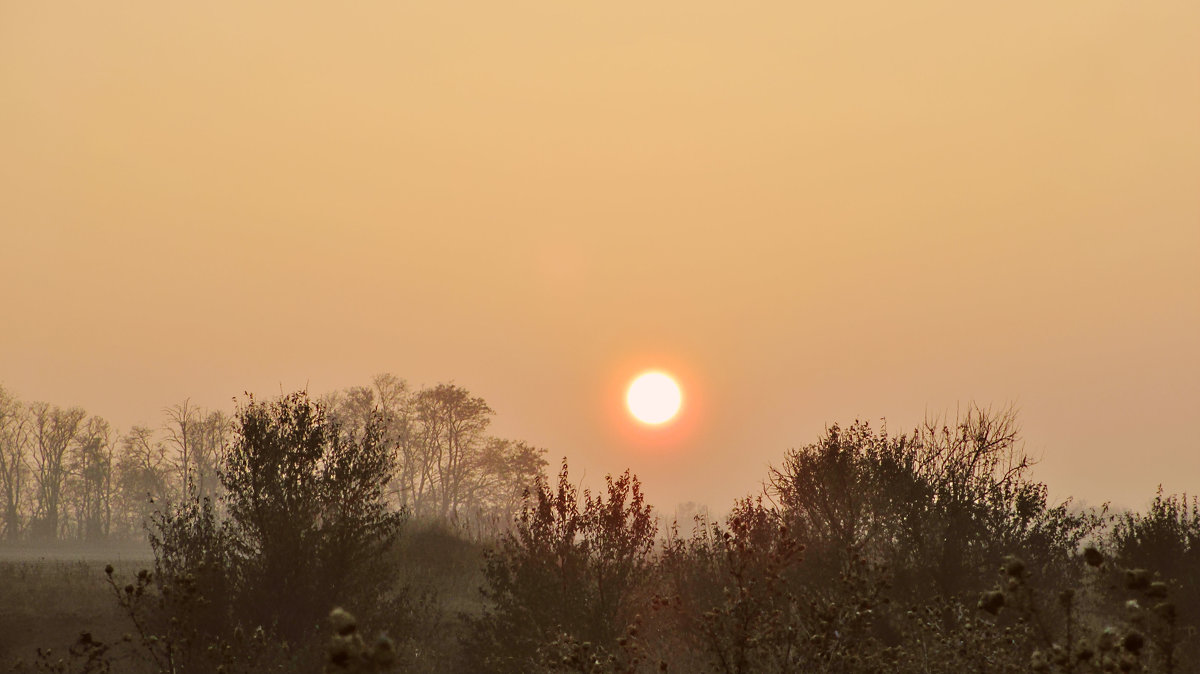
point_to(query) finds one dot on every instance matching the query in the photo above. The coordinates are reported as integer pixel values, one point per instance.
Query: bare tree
(359, 406)
(500, 472)
(213, 434)
(183, 422)
(392, 402)
(387, 405)
(92, 479)
(452, 426)
(142, 473)
(53, 429)
(446, 466)
(14, 447)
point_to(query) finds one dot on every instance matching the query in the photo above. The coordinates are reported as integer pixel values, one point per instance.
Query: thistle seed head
(1133, 642)
(343, 623)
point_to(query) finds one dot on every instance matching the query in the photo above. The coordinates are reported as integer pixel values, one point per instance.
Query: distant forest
(68, 476)
(381, 529)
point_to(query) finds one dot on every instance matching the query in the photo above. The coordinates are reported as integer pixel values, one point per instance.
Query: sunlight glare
(654, 398)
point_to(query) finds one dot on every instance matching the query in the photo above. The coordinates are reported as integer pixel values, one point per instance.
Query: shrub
(571, 571)
(306, 528)
(935, 507)
(1166, 539)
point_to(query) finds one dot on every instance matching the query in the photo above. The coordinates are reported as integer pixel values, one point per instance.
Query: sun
(654, 398)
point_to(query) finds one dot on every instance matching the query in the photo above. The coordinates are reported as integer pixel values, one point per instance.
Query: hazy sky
(810, 211)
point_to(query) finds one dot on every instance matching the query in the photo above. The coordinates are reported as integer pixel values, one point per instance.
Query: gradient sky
(810, 211)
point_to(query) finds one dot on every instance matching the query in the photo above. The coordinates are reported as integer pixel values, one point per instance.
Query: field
(50, 594)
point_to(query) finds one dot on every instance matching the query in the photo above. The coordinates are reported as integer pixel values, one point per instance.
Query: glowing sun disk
(653, 398)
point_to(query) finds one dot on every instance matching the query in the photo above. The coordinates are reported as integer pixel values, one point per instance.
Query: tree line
(66, 475)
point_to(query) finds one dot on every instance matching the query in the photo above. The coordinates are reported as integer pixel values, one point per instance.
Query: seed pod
(1133, 642)
(385, 651)
(1107, 639)
(992, 601)
(1014, 567)
(343, 622)
(1137, 579)
(339, 651)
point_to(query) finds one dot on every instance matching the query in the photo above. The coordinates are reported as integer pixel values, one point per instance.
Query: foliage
(738, 597)
(307, 520)
(928, 552)
(934, 507)
(448, 468)
(1166, 538)
(301, 526)
(67, 476)
(727, 589)
(572, 569)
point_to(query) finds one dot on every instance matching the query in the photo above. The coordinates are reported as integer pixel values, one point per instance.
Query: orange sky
(811, 211)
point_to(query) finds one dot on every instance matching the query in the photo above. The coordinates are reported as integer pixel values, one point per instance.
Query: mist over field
(634, 337)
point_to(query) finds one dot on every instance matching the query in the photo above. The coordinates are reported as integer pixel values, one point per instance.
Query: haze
(811, 212)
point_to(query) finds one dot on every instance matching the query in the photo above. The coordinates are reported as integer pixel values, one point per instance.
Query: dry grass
(47, 601)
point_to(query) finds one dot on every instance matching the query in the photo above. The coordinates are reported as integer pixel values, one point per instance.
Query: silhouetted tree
(728, 586)
(447, 468)
(934, 506)
(500, 473)
(197, 438)
(53, 429)
(92, 479)
(307, 525)
(213, 432)
(307, 509)
(452, 426)
(142, 476)
(183, 421)
(14, 448)
(386, 403)
(1165, 540)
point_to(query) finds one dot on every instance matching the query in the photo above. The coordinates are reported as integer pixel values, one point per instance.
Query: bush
(306, 528)
(934, 508)
(1166, 539)
(571, 572)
